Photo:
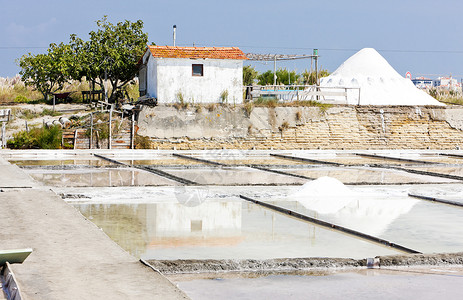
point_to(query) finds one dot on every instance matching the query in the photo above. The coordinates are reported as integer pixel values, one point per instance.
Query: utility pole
(175, 34)
(315, 53)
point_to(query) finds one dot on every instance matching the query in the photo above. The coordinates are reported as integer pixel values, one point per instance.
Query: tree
(265, 78)
(48, 72)
(249, 75)
(283, 77)
(112, 52)
(310, 77)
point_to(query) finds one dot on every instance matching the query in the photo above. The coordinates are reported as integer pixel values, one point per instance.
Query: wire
(342, 49)
(287, 48)
(21, 47)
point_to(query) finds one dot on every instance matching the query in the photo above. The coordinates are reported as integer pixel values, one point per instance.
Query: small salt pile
(324, 195)
(379, 83)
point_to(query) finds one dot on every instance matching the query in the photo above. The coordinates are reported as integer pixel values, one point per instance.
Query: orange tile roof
(197, 52)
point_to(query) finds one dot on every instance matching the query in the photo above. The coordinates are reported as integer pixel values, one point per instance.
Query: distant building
(422, 82)
(447, 83)
(192, 74)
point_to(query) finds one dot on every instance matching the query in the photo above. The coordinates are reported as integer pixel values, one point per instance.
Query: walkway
(72, 258)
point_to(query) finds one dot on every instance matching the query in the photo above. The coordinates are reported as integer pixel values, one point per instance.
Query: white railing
(288, 93)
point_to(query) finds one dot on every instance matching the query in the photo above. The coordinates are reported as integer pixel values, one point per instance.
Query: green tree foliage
(265, 78)
(309, 77)
(249, 75)
(283, 77)
(48, 72)
(113, 49)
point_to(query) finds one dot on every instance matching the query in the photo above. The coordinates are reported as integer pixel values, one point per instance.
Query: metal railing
(288, 93)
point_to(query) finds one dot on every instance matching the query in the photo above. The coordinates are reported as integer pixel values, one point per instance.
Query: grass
(18, 93)
(29, 114)
(224, 96)
(248, 107)
(273, 102)
(267, 102)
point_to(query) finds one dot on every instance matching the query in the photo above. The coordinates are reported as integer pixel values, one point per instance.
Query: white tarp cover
(379, 83)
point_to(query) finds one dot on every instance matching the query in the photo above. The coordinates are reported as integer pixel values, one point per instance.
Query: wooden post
(27, 128)
(91, 131)
(54, 100)
(75, 139)
(110, 126)
(132, 131)
(3, 136)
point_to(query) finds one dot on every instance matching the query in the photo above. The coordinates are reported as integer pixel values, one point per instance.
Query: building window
(197, 70)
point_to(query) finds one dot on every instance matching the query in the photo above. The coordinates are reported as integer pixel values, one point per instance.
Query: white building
(192, 74)
(422, 82)
(447, 83)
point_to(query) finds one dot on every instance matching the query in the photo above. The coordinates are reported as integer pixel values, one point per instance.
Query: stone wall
(338, 127)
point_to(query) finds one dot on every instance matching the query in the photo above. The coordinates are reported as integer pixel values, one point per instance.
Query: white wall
(169, 76)
(151, 76)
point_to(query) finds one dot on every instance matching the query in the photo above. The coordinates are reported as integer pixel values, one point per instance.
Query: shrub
(49, 138)
(142, 142)
(21, 99)
(37, 138)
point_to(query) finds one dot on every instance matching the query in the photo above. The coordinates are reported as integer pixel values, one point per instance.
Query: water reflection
(139, 227)
(370, 213)
(234, 176)
(219, 229)
(367, 175)
(64, 162)
(97, 178)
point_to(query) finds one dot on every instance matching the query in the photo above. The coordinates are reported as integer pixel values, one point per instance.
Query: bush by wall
(37, 138)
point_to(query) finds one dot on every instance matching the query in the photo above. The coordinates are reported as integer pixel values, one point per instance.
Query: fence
(288, 93)
(83, 137)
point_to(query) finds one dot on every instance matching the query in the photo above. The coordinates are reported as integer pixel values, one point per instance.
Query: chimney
(175, 36)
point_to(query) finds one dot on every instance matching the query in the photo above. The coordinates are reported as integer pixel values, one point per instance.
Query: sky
(423, 37)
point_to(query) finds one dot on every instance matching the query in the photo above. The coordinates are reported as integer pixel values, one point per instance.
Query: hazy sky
(423, 37)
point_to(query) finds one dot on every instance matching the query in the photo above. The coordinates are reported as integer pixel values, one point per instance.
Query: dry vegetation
(13, 90)
(446, 96)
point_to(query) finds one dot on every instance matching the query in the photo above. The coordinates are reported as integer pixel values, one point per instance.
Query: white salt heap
(368, 212)
(379, 83)
(325, 195)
